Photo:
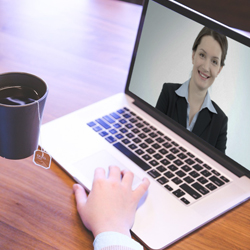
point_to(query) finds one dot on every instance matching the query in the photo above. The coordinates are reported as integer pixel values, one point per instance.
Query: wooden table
(82, 49)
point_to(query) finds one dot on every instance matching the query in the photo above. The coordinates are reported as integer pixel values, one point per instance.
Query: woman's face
(206, 63)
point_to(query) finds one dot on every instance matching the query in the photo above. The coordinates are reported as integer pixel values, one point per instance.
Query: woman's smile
(203, 76)
(206, 63)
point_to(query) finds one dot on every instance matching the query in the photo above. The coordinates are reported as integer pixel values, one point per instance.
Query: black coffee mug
(20, 122)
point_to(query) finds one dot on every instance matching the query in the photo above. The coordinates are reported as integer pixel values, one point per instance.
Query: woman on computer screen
(189, 103)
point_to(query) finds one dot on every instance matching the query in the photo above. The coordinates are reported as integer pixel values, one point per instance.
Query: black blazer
(209, 126)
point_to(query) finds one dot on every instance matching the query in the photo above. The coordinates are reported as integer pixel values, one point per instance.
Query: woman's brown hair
(221, 39)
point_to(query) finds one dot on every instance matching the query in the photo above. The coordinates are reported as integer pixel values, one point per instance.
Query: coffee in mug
(22, 101)
(17, 95)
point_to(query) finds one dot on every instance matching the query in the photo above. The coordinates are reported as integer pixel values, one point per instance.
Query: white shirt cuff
(106, 239)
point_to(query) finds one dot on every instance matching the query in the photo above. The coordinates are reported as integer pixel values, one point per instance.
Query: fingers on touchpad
(85, 168)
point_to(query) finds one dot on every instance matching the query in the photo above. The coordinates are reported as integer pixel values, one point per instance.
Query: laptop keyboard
(171, 165)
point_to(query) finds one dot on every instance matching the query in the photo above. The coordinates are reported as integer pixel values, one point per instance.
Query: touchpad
(85, 168)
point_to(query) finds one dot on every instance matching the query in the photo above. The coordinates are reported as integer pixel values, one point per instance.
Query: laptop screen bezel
(205, 147)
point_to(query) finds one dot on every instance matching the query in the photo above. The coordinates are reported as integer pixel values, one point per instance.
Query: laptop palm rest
(85, 169)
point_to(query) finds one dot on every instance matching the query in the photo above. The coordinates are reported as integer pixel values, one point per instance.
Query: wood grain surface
(82, 49)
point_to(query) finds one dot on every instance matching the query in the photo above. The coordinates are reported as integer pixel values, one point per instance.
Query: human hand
(111, 204)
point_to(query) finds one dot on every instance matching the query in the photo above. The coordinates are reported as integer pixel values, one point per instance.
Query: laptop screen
(165, 61)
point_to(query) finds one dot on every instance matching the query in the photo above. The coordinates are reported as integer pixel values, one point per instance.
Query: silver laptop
(194, 178)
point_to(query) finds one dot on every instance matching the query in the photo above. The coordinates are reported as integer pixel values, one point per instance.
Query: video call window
(166, 57)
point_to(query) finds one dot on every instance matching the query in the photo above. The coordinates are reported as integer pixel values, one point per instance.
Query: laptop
(192, 180)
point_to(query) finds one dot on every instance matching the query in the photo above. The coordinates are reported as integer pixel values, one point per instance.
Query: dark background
(234, 13)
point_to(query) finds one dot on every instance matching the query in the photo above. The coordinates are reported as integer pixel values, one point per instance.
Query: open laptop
(192, 182)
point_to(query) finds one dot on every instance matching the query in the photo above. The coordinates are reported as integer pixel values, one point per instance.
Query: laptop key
(110, 139)
(135, 130)
(162, 180)
(167, 145)
(178, 162)
(150, 151)
(120, 111)
(190, 155)
(149, 141)
(97, 128)
(186, 168)
(172, 167)
(180, 173)
(216, 180)
(211, 186)
(183, 149)
(139, 151)
(130, 135)
(127, 115)
(117, 125)
(202, 180)
(200, 188)
(188, 179)
(174, 150)
(108, 119)
(136, 140)
(119, 136)
(129, 126)
(183, 199)
(143, 145)
(143, 165)
(190, 191)
(142, 135)
(161, 169)
(91, 124)
(194, 174)
(156, 146)
(178, 193)
(207, 166)
(132, 146)
(123, 130)
(146, 130)
(115, 115)
(165, 162)
(157, 156)
(133, 120)
(189, 161)
(153, 173)
(122, 121)
(177, 180)
(197, 167)
(170, 157)
(103, 133)
(224, 178)
(103, 123)
(163, 151)
(113, 131)
(198, 160)
(139, 125)
(169, 188)
(154, 163)
(215, 172)
(205, 173)
(153, 135)
(146, 157)
(160, 140)
(169, 174)
(182, 156)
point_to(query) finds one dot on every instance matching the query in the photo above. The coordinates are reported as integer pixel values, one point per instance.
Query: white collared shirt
(207, 103)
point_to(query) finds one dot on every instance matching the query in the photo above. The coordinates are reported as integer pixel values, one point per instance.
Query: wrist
(120, 230)
(110, 238)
